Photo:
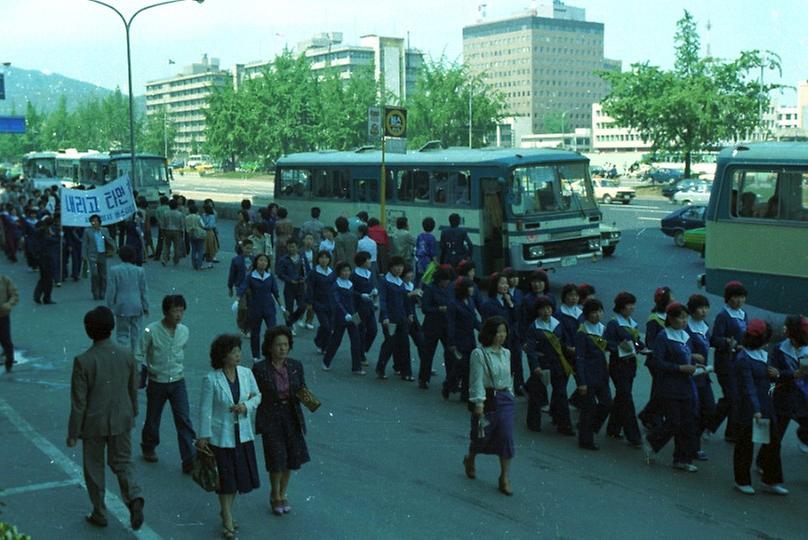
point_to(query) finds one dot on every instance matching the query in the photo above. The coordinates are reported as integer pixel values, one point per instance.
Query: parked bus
(523, 208)
(757, 224)
(151, 180)
(46, 169)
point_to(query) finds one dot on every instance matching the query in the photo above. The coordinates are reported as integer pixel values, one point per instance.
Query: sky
(86, 41)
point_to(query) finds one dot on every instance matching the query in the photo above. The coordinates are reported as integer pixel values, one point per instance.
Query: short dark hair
(330, 229)
(734, 288)
(361, 258)
(315, 212)
(341, 223)
(465, 266)
(291, 241)
(192, 209)
(585, 290)
(127, 254)
(493, 281)
(95, 216)
(428, 224)
(363, 216)
(662, 297)
(269, 339)
(795, 329)
(674, 310)
(322, 253)
(362, 230)
(454, 220)
(539, 275)
(246, 242)
(98, 323)
(340, 265)
(401, 222)
(173, 204)
(373, 221)
(489, 330)
(246, 204)
(443, 273)
(461, 288)
(173, 300)
(282, 212)
(396, 260)
(221, 346)
(622, 300)
(697, 301)
(591, 305)
(255, 261)
(245, 215)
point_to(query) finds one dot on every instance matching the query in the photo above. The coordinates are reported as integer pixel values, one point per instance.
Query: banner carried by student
(114, 202)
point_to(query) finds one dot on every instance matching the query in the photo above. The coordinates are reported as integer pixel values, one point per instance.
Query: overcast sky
(85, 41)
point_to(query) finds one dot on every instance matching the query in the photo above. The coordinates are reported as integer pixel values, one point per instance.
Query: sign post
(395, 125)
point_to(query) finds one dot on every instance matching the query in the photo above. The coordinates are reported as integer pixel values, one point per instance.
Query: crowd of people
(502, 337)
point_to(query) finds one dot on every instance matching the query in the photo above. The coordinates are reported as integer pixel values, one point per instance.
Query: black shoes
(588, 446)
(150, 457)
(423, 385)
(96, 520)
(136, 514)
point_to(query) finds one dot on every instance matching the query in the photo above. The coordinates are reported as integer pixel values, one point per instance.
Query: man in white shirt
(162, 350)
(366, 243)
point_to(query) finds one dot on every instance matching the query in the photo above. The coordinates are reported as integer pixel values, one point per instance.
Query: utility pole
(471, 93)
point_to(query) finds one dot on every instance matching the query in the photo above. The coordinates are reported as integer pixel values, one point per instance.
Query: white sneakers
(777, 489)
(688, 467)
(746, 490)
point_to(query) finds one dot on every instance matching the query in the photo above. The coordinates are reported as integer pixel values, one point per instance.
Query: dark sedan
(663, 176)
(682, 219)
(684, 184)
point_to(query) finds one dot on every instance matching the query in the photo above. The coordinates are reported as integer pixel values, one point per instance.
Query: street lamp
(127, 25)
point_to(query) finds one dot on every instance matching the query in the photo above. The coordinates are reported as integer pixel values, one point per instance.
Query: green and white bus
(46, 169)
(151, 181)
(757, 224)
(523, 208)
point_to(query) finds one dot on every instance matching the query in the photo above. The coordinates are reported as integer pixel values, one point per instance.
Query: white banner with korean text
(113, 202)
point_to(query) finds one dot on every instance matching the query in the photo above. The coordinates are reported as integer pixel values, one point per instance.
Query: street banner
(374, 123)
(114, 202)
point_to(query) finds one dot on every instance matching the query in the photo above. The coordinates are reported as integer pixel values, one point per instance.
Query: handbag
(308, 399)
(204, 470)
(490, 404)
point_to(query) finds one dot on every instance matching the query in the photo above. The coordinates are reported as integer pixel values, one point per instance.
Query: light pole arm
(136, 13)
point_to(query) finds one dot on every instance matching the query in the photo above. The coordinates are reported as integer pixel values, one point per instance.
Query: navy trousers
(177, 395)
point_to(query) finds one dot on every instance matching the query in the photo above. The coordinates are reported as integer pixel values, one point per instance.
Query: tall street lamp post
(127, 24)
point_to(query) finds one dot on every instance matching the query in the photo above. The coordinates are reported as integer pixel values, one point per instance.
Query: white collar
(574, 311)
(594, 329)
(409, 286)
(758, 354)
(362, 272)
(697, 327)
(256, 275)
(789, 350)
(328, 242)
(344, 283)
(326, 272)
(677, 335)
(735, 313)
(501, 299)
(622, 321)
(661, 314)
(390, 278)
(512, 291)
(550, 326)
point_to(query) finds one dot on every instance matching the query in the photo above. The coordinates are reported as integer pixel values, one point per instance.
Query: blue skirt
(238, 470)
(498, 438)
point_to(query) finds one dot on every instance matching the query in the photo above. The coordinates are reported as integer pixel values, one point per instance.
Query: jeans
(177, 395)
(255, 320)
(98, 277)
(197, 250)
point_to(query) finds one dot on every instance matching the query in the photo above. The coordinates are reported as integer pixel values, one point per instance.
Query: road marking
(39, 487)
(643, 218)
(114, 503)
(630, 207)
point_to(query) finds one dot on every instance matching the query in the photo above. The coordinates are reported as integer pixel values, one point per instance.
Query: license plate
(569, 261)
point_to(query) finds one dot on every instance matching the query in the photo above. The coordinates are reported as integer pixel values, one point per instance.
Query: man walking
(162, 349)
(127, 298)
(173, 233)
(96, 245)
(9, 297)
(103, 407)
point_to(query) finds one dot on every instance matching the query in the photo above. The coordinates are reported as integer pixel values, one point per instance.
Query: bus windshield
(41, 167)
(550, 188)
(151, 172)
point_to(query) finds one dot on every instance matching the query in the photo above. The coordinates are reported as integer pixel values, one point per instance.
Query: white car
(608, 191)
(697, 195)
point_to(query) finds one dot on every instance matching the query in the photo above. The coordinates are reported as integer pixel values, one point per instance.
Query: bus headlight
(594, 244)
(614, 235)
(536, 252)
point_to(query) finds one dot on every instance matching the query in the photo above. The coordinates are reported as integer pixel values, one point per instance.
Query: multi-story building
(545, 62)
(182, 100)
(608, 137)
(393, 63)
(787, 117)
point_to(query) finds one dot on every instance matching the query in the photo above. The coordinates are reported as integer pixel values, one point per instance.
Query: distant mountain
(44, 90)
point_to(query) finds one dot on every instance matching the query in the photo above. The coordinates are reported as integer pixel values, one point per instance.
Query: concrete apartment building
(182, 100)
(544, 61)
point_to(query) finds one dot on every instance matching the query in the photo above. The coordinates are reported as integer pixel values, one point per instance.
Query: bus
(46, 169)
(757, 224)
(151, 181)
(522, 208)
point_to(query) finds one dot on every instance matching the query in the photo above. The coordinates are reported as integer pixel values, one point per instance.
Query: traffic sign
(395, 122)
(374, 123)
(12, 124)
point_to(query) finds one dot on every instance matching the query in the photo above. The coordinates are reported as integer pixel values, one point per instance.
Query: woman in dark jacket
(261, 288)
(464, 322)
(279, 419)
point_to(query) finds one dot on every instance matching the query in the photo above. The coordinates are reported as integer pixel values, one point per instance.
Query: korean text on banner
(113, 202)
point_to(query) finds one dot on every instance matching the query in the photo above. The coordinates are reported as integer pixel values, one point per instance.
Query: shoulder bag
(204, 471)
(308, 399)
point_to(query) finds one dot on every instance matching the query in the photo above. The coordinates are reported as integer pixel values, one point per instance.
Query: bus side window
(340, 187)
(421, 186)
(440, 188)
(295, 182)
(404, 186)
(460, 188)
(755, 195)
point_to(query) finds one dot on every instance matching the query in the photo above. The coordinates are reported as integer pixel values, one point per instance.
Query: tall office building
(182, 100)
(544, 61)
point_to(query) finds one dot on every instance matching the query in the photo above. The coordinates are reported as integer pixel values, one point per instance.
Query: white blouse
(480, 377)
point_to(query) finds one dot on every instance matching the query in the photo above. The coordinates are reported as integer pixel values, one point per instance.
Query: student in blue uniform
(291, 271)
(345, 318)
(515, 337)
(467, 269)
(728, 328)
(674, 369)
(393, 316)
(319, 286)
(592, 374)
(308, 254)
(261, 291)
(623, 338)
(435, 305)
(754, 377)
(544, 348)
(538, 284)
(651, 415)
(414, 330)
(461, 335)
(569, 314)
(699, 307)
(364, 284)
(791, 392)
(585, 292)
(500, 303)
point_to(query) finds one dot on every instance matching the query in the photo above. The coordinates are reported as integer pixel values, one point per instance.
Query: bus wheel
(679, 238)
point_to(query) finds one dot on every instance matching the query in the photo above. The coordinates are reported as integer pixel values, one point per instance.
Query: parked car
(663, 176)
(608, 191)
(699, 194)
(681, 220)
(680, 185)
(609, 238)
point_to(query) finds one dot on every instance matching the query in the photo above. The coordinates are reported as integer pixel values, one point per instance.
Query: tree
(695, 106)
(344, 106)
(157, 135)
(439, 107)
(226, 124)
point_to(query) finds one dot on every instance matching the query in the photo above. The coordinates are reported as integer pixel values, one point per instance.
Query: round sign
(395, 123)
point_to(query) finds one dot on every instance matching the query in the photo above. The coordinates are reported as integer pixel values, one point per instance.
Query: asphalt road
(386, 456)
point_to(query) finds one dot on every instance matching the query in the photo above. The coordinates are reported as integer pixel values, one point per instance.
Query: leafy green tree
(57, 129)
(157, 133)
(439, 107)
(344, 106)
(698, 105)
(227, 122)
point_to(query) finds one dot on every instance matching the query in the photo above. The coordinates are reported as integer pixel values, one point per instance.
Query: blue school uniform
(570, 319)
(364, 285)
(699, 343)
(345, 308)
(623, 370)
(293, 274)
(319, 287)
(790, 394)
(393, 307)
(591, 371)
(239, 268)
(651, 415)
(435, 305)
(544, 348)
(461, 334)
(261, 292)
(729, 324)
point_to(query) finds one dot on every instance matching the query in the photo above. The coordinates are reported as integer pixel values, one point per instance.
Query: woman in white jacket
(230, 397)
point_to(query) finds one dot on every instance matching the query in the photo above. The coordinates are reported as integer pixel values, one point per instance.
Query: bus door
(492, 228)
